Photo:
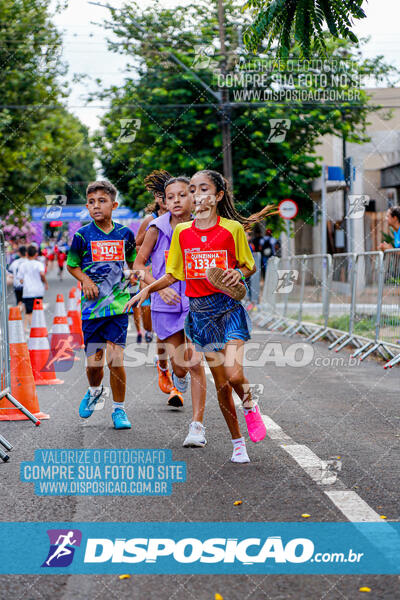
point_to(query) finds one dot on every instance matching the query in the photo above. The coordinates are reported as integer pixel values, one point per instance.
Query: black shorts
(29, 304)
(18, 295)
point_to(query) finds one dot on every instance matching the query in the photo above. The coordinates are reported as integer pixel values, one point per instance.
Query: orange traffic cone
(78, 295)
(22, 383)
(61, 338)
(39, 349)
(74, 320)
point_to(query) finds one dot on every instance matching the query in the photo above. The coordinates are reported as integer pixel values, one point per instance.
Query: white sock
(118, 405)
(93, 389)
(238, 441)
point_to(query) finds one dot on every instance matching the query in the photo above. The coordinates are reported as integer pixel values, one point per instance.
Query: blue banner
(200, 548)
(74, 212)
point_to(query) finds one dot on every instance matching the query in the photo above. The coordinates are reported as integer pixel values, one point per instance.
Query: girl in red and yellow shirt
(216, 323)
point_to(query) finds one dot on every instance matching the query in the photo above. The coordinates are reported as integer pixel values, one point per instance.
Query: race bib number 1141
(196, 263)
(107, 250)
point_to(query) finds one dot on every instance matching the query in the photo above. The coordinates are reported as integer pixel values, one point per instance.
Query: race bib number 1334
(196, 263)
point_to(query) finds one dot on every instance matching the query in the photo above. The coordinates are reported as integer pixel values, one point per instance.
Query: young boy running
(96, 258)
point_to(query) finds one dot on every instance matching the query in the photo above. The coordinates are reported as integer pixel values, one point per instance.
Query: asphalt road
(324, 410)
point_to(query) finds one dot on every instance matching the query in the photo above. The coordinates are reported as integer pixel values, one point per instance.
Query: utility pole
(225, 104)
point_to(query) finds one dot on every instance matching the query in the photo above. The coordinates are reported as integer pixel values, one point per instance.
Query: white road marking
(316, 468)
(352, 506)
(348, 502)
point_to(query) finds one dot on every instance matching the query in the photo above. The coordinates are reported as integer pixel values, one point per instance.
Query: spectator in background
(13, 269)
(393, 219)
(33, 278)
(250, 242)
(267, 249)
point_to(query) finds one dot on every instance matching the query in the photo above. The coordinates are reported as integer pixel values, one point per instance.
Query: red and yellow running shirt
(194, 250)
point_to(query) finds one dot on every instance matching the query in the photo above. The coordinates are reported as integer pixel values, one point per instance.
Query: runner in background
(217, 323)
(42, 258)
(33, 279)
(13, 269)
(61, 257)
(154, 183)
(50, 257)
(142, 316)
(267, 249)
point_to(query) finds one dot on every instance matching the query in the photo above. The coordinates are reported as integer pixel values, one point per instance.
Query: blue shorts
(97, 332)
(215, 320)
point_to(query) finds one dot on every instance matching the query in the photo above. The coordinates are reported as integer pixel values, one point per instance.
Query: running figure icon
(62, 549)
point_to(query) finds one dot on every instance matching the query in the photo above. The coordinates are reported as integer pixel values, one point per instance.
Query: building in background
(377, 175)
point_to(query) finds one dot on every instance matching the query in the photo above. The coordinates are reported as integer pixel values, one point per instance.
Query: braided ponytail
(226, 206)
(155, 184)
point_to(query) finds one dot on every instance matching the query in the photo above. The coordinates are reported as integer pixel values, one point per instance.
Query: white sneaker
(181, 384)
(196, 437)
(240, 453)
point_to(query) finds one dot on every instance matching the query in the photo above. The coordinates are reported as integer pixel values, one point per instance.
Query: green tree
(42, 146)
(282, 21)
(180, 121)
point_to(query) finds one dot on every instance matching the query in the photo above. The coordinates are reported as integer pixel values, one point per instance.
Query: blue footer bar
(200, 548)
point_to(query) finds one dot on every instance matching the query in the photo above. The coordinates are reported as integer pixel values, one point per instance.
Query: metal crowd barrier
(389, 335)
(318, 281)
(347, 298)
(5, 373)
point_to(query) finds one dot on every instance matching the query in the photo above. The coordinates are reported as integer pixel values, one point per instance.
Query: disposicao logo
(62, 547)
(191, 550)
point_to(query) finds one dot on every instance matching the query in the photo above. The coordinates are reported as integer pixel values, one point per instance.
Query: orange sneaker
(175, 398)
(164, 380)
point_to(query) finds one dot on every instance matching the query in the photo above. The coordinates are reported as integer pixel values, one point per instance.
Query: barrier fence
(348, 299)
(5, 371)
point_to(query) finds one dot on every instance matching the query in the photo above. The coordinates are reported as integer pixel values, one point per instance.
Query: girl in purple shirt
(170, 306)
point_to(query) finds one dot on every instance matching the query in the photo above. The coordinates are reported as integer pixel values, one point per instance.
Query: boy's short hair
(22, 250)
(32, 250)
(104, 185)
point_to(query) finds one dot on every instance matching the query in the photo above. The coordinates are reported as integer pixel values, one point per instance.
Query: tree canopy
(175, 124)
(281, 22)
(42, 146)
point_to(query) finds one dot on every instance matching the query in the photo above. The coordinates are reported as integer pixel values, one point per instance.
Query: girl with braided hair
(154, 183)
(212, 255)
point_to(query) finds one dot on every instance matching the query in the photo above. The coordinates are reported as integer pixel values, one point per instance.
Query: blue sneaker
(88, 403)
(120, 419)
(181, 384)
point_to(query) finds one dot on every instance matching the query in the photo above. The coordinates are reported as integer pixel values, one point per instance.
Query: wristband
(243, 277)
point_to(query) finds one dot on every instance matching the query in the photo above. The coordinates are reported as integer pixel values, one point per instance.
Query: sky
(85, 47)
